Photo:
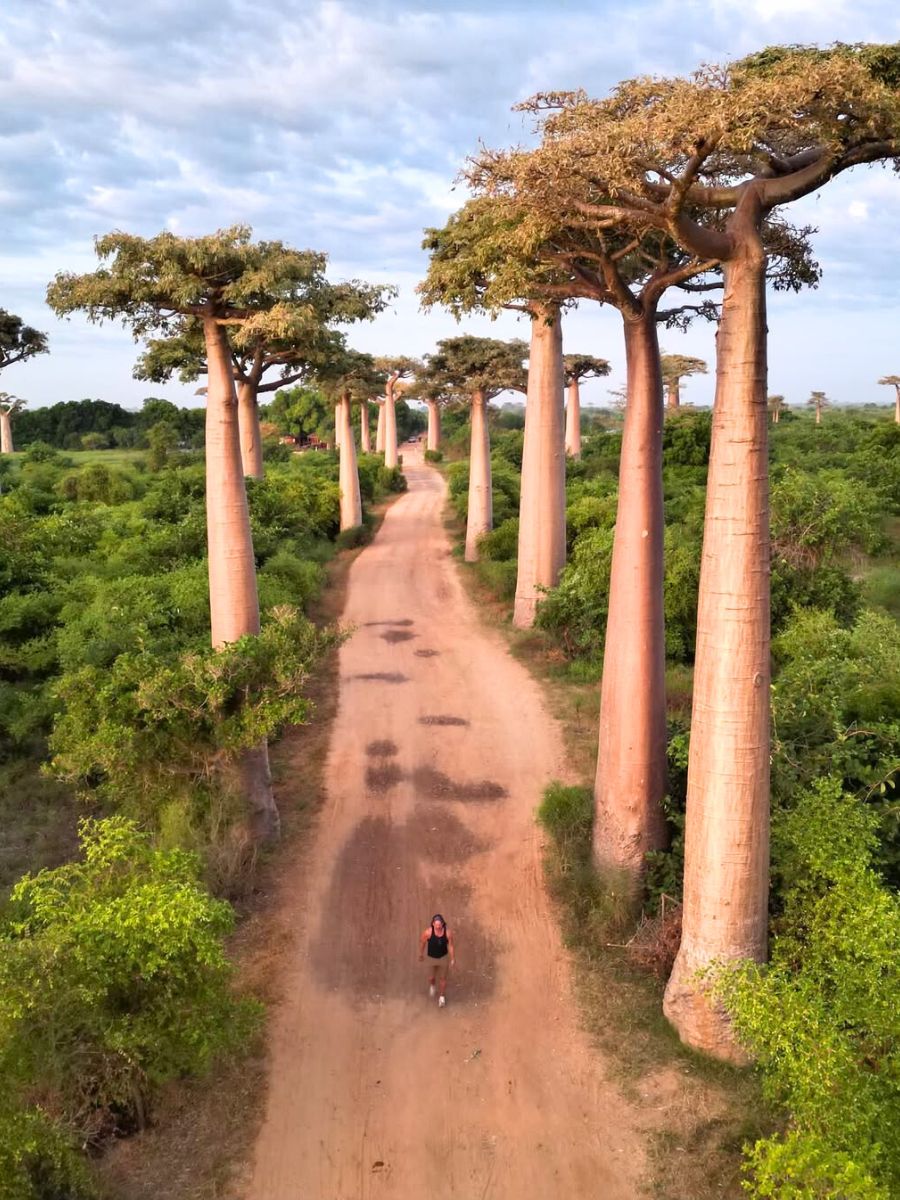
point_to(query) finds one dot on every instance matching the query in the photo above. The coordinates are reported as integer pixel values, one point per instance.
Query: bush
(392, 479)
(113, 980)
(434, 456)
(822, 1018)
(38, 1161)
(502, 543)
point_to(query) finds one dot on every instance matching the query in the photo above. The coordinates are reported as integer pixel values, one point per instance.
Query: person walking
(437, 940)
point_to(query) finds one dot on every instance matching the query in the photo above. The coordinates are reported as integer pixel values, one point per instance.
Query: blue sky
(341, 125)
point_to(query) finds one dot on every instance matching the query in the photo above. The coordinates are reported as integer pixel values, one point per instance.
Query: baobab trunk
(727, 827)
(818, 415)
(251, 436)
(542, 504)
(433, 441)
(897, 406)
(573, 420)
(673, 394)
(630, 782)
(351, 501)
(379, 430)
(337, 426)
(390, 428)
(6, 437)
(233, 598)
(480, 518)
(365, 439)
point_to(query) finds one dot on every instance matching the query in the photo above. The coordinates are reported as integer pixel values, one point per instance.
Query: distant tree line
(65, 425)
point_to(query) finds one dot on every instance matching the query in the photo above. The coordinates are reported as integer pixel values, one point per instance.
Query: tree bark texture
(573, 420)
(897, 406)
(390, 427)
(6, 437)
(433, 441)
(480, 517)
(727, 827)
(542, 504)
(630, 781)
(379, 431)
(351, 501)
(233, 598)
(250, 434)
(673, 394)
(337, 426)
(365, 437)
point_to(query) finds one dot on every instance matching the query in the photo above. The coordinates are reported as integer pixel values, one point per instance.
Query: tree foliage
(18, 341)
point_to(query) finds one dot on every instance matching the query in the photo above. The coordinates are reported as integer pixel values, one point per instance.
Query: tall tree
(226, 282)
(577, 367)
(475, 369)
(894, 382)
(704, 160)
(776, 406)
(818, 401)
(676, 367)
(379, 427)
(396, 368)
(349, 379)
(479, 261)
(300, 337)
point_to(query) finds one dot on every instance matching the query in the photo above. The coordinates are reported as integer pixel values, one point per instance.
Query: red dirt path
(441, 747)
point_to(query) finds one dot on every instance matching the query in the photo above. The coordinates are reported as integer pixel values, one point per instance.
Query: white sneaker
(442, 1000)
(431, 990)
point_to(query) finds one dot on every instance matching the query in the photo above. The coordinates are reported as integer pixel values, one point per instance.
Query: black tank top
(437, 946)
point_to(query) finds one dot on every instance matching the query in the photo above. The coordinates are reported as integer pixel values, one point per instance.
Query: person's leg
(442, 980)
(431, 973)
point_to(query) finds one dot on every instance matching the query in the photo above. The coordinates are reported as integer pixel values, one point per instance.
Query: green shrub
(392, 479)
(350, 539)
(502, 543)
(822, 1018)
(38, 1161)
(113, 980)
(434, 456)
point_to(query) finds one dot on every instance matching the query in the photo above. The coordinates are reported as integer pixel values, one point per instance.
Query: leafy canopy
(264, 290)
(465, 366)
(583, 366)
(18, 341)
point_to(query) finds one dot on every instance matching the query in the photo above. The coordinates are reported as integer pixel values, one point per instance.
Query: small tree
(818, 401)
(894, 382)
(9, 406)
(577, 367)
(676, 367)
(475, 369)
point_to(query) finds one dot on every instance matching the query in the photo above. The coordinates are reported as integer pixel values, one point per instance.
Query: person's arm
(423, 942)
(451, 949)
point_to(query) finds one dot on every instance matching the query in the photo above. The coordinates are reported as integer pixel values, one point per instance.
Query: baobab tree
(577, 367)
(350, 378)
(776, 406)
(18, 343)
(226, 282)
(704, 160)
(894, 382)
(818, 401)
(301, 337)
(396, 369)
(501, 245)
(676, 367)
(9, 406)
(379, 427)
(474, 370)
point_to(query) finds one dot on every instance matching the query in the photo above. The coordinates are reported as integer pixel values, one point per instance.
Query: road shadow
(381, 895)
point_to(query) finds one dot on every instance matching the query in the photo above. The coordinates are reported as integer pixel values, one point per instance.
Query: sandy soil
(440, 750)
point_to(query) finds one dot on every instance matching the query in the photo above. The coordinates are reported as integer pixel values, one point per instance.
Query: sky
(342, 125)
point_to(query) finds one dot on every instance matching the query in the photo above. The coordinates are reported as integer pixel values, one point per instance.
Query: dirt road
(440, 750)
